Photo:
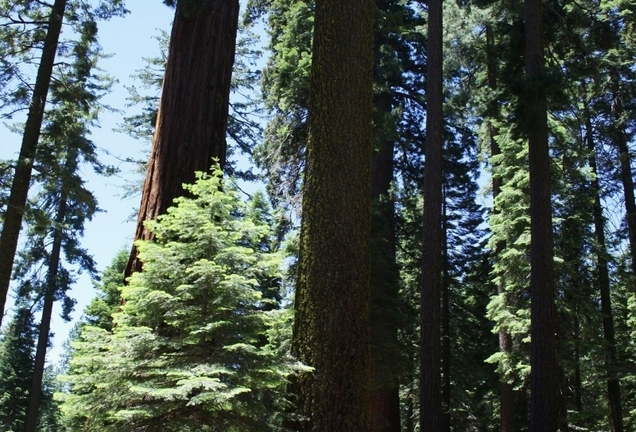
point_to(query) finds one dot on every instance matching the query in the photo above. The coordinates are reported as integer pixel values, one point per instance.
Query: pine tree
(33, 13)
(189, 348)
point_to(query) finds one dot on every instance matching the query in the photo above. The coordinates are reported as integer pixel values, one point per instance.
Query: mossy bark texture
(331, 328)
(192, 119)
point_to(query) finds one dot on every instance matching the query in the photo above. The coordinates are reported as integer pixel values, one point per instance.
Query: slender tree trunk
(35, 396)
(446, 337)
(410, 405)
(384, 395)
(193, 111)
(331, 326)
(506, 390)
(384, 398)
(578, 383)
(22, 177)
(544, 407)
(620, 140)
(611, 360)
(430, 320)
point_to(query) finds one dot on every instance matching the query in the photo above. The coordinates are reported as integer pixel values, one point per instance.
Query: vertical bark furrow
(193, 111)
(331, 327)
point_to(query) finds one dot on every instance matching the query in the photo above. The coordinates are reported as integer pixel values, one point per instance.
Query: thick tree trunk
(22, 177)
(331, 327)
(611, 360)
(544, 408)
(430, 315)
(35, 396)
(193, 111)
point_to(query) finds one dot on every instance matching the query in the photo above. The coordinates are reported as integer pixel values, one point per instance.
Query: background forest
(444, 239)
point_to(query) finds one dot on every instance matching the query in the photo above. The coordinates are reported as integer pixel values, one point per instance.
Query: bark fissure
(193, 111)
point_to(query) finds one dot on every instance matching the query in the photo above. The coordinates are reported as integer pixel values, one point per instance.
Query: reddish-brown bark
(193, 111)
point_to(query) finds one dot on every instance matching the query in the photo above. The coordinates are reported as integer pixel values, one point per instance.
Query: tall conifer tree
(544, 415)
(430, 312)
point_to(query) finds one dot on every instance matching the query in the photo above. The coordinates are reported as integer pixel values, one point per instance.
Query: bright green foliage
(100, 310)
(189, 348)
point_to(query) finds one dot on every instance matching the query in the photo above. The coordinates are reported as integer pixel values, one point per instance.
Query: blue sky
(128, 39)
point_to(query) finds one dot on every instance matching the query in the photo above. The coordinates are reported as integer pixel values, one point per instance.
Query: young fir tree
(188, 350)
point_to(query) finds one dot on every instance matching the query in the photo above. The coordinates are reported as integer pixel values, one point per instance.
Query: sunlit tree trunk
(193, 110)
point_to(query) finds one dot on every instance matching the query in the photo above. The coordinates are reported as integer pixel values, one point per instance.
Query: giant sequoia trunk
(193, 110)
(384, 397)
(331, 327)
(22, 177)
(544, 405)
(431, 412)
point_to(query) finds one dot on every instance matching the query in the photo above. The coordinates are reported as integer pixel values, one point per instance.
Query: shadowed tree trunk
(331, 326)
(430, 311)
(35, 396)
(620, 140)
(384, 403)
(545, 379)
(611, 360)
(22, 177)
(384, 397)
(446, 336)
(193, 111)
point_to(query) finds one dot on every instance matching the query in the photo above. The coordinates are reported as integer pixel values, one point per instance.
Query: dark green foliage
(16, 366)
